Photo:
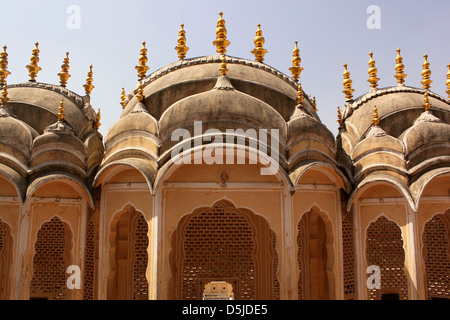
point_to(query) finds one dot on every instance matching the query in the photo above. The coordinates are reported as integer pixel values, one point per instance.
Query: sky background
(329, 33)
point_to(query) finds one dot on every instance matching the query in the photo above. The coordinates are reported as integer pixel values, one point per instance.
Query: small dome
(221, 109)
(398, 108)
(58, 149)
(188, 77)
(307, 135)
(16, 134)
(137, 120)
(428, 138)
(37, 104)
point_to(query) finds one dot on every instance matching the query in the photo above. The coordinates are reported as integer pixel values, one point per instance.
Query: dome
(137, 120)
(187, 77)
(221, 108)
(16, 137)
(309, 138)
(37, 104)
(398, 108)
(58, 149)
(137, 131)
(427, 142)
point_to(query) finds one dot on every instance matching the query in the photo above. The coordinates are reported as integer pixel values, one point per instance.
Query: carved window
(349, 257)
(5, 259)
(223, 243)
(384, 248)
(436, 256)
(90, 257)
(51, 261)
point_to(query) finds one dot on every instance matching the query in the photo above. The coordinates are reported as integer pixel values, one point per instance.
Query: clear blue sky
(329, 33)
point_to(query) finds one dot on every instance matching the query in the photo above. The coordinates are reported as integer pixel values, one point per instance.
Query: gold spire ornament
(97, 121)
(33, 67)
(300, 96)
(88, 86)
(448, 81)
(373, 80)
(3, 66)
(182, 49)
(221, 42)
(61, 111)
(64, 74)
(426, 73)
(259, 40)
(4, 98)
(339, 120)
(315, 104)
(142, 67)
(123, 97)
(348, 90)
(223, 67)
(140, 92)
(296, 70)
(426, 101)
(399, 67)
(376, 120)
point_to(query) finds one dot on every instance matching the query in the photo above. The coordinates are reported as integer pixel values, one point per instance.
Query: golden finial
(140, 92)
(426, 101)
(339, 120)
(296, 70)
(448, 81)
(373, 80)
(259, 40)
(142, 68)
(399, 67)
(88, 86)
(223, 67)
(64, 74)
(221, 41)
(315, 104)
(181, 48)
(97, 121)
(3, 66)
(426, 73)
(348, 90)
(61, 111)
(123, 97)
(299, 94)
(4, 98)
(33, 67)
(376, 120)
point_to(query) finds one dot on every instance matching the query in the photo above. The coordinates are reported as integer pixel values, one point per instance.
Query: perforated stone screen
(436, 255)
(349, 257)
(50, 261)
(218, 244)
(88, 289)
(140, 259)
(384, 248)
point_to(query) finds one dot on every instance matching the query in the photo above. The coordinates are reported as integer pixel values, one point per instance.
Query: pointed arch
(315, 255)
(224, 243)
(128, 255)
(384, 249)
(53, 254)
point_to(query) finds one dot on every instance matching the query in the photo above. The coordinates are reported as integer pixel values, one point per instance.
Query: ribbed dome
(221, 108)
(137, 120)
(16, 135)
(309, 139)
(187, 77)
(398, 108)
(58, 149)
(37, 105)
(427, 141)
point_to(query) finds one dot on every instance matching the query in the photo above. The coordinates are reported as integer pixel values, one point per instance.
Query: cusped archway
(224, 243)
